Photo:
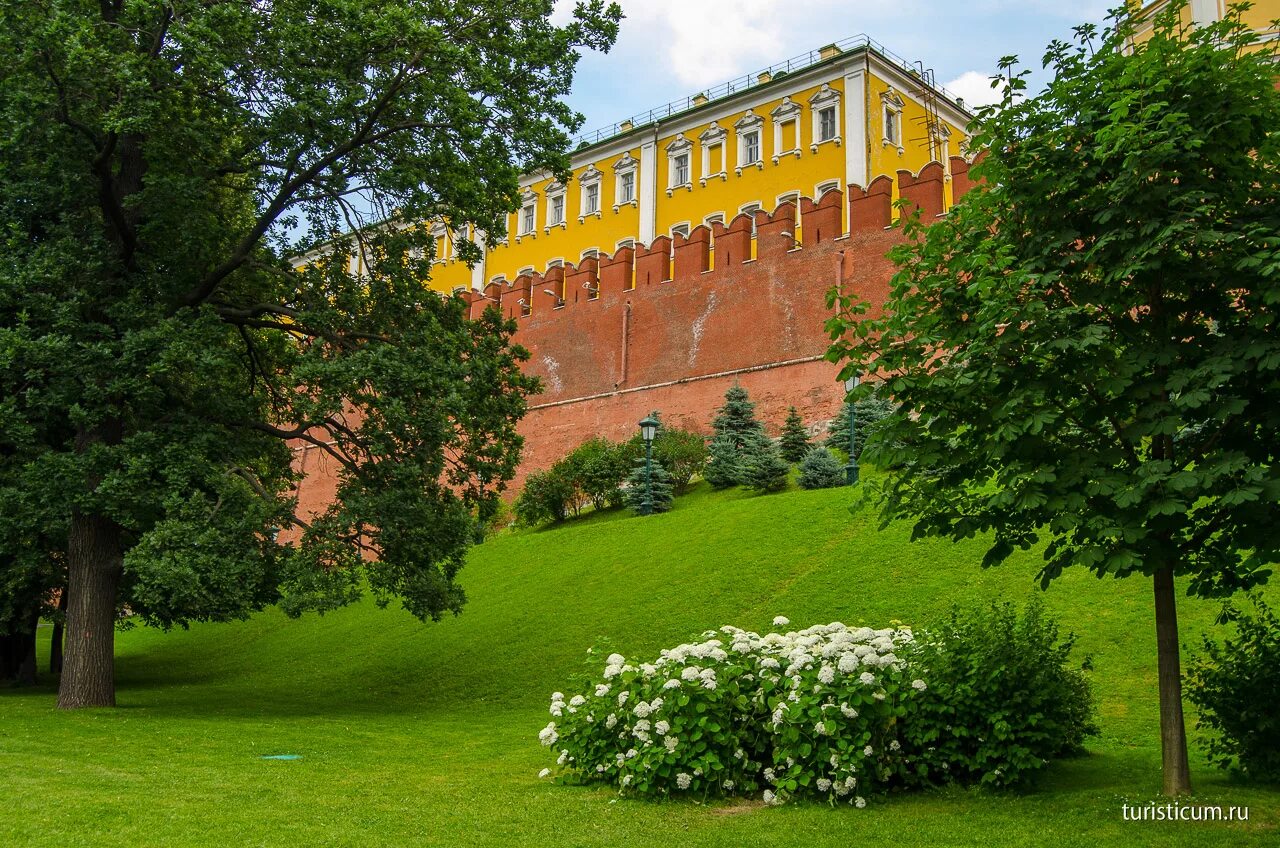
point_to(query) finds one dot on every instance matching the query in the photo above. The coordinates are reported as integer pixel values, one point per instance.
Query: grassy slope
(425, 734)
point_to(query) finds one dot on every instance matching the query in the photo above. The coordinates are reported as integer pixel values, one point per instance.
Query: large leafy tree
(1086, 349)
(159, 356)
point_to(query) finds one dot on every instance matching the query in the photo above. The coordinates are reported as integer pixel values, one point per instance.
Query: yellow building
(1261, 18)
(842, 114)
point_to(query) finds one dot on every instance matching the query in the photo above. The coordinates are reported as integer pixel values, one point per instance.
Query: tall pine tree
(795, 439)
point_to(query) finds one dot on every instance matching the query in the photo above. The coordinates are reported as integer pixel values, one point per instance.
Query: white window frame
(823, 187)
(826, 98)
(749, 124)
(555, 197)
(681, 147)
(588, 182)
(528, 204)
(714, 137)
(626, 242)
(624, 167)
(751, 208)
(684, 228)
(891, 115)
(787, 112)
(713, 217)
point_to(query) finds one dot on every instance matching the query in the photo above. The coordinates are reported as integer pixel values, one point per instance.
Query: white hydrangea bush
(812, 712)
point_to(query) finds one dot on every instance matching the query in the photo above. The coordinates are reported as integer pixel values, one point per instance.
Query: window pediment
(786, 110)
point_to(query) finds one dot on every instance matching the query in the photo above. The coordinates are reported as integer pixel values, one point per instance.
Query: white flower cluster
(847, 672)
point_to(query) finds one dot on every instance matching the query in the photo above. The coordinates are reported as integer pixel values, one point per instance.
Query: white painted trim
(648, 191)
(855, 113)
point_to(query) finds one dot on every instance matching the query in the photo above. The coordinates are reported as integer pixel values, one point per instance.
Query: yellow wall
(764, 185)
(722, 194)
(912, 151)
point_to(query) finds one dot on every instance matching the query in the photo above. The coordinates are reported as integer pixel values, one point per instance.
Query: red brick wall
(611, 353)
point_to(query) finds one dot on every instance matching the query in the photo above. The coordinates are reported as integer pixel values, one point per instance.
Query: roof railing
(749, 81)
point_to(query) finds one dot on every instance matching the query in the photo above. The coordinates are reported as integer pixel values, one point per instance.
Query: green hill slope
(415, 734)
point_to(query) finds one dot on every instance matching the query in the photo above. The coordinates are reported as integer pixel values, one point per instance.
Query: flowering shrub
(829, 712)
(811, 712)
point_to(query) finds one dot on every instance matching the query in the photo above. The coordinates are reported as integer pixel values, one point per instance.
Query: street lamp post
(851, 470)
(648, 429)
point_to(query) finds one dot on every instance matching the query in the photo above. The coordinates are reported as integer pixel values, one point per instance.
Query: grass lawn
(413, 734)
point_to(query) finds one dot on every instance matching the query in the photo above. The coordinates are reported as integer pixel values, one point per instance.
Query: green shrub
(809, 713)
(764, 469)
(1002, 700)
(869, 411)
(597, 468)
(657, 488)
(794, 439)
(682, 453)
(724, 466)
(830, 712)
(1236, 687)
(545, 497)
(820, 470)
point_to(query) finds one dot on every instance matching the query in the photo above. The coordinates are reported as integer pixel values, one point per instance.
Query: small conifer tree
(763, 468)
(737, 418)
(820, 470)
(795, 439)
(724, 463)
(658, 488)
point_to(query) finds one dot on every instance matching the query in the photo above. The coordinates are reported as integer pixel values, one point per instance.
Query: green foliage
(652, 489)
(546, 497)
(682, 452)
(820, 470)
(830, 712)
(1002, 700)
(1236, 686)
(794, 440)
(812, 713)
(763, 468)
(735, 435)
(1112, 283)
(596, 468)
(160, 356)
(724, 463)
(736, 420)
(870, 412)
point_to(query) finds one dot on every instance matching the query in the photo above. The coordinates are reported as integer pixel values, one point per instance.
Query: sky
(669, 49)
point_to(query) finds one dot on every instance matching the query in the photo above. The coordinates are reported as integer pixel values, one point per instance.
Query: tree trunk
(55, 643)
(1173, 731)
(94, 562)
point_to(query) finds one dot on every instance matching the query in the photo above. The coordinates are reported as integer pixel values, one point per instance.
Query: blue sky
(668, 49)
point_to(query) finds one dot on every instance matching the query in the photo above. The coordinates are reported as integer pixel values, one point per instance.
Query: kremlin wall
(672, 325)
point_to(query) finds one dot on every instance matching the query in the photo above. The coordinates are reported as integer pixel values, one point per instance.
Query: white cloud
(975, 88)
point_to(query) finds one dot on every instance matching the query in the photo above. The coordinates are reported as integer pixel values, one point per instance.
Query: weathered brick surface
(670, 332)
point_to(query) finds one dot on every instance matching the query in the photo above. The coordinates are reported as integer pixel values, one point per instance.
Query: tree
(820, 470)
(737, 418)
(599, 467)
(794, 441)
(724, 463)
(870, 411)
(735, 431)
(1086, 350)
(160, 356)
(648, 489)
(682, 453)
(764, 469)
